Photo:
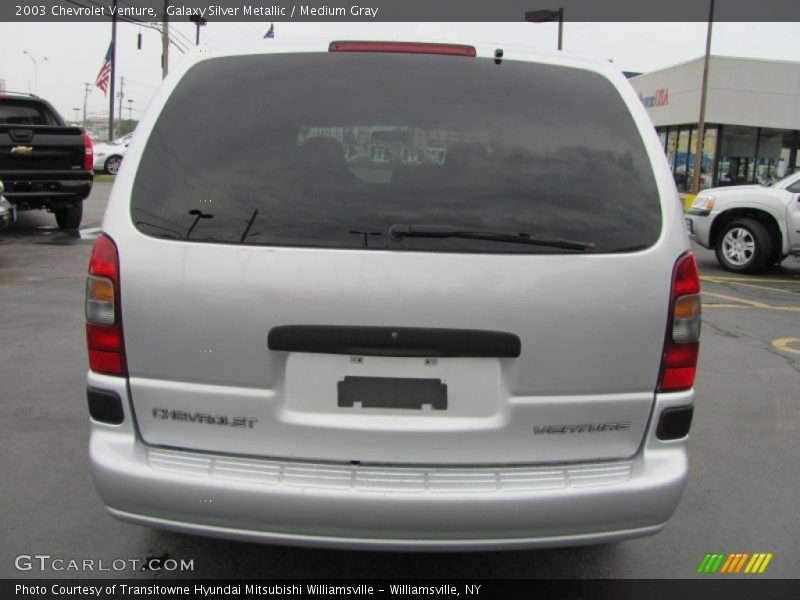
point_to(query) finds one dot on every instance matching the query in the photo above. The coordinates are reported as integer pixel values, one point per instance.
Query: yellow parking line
(752, 303)
(744, 303)
(705, 306)
(748, 283)
(783, 344)
(760, 287)
(715, 278)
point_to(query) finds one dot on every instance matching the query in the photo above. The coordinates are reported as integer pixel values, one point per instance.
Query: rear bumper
(393, 544)
(43, 189)
(387, 507)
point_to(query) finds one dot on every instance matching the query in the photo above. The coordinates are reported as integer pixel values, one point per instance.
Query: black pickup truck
(44, 163)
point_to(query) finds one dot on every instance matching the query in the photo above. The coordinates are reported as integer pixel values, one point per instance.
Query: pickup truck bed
(44, 164)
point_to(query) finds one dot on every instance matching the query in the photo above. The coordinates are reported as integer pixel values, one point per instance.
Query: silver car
(8, 211)
(108, 156)
(395, 295)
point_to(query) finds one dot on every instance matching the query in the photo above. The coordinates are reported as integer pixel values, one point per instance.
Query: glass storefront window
(687, 185)
(672, 148)
(737, 155)
(783, 167)
(770, 143)
(709, 156)
(747, 154)
(681, 158)
(706, 160)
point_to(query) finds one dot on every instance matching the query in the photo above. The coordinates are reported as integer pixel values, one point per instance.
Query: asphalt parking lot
(742, 494)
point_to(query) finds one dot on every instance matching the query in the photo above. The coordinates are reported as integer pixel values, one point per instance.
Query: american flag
(105, 72)
(270, 32)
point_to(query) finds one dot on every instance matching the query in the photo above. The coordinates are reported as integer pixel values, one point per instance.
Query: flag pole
(113, 72)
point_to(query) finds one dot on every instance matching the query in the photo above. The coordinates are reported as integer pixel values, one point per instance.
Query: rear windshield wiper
(398, 232)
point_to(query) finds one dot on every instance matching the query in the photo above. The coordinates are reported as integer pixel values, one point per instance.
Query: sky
(62, 56)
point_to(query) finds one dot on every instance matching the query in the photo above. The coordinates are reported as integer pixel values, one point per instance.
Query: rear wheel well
(761, 216)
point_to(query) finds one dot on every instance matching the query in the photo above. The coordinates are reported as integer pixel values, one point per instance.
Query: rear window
(25, 113)
(331, 150)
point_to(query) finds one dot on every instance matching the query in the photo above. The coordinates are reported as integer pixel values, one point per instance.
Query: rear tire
(112, 164)
(69, 217)
(744, 246)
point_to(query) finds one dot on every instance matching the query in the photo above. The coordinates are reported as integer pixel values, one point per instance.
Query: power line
(182, 35)
(182, 47)
(141, 84)
(155, 27)
(78, 4)
(240, 30)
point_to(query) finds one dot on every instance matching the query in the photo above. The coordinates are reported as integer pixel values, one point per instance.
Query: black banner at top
(397, 10)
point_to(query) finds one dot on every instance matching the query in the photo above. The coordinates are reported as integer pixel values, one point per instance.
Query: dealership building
(752, 130)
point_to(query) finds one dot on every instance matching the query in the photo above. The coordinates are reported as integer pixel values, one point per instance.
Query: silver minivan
(393, 295)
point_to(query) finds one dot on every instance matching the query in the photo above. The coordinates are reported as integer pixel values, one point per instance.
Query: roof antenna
(498, 56)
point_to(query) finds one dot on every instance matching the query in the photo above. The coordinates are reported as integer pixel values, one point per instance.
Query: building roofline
(720, 56)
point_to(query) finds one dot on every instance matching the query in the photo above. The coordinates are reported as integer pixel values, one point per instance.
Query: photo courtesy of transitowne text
(246, 590)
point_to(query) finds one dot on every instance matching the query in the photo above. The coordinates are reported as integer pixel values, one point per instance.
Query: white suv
(750, 227)
(401, 295)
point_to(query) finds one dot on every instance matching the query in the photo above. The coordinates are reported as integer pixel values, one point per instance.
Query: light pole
(121, 98)
(548, 16)
(87, 90)
(35, 71)
(199, 22)
(113, 76)
(701, 121)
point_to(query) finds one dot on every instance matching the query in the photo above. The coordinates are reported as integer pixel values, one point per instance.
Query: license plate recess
(392, 392)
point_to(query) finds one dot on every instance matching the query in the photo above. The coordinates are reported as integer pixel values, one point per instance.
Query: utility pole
(113, 71)
(130, 111)
(121, 97)
(165, 41)
(701, 122)
(86, 92)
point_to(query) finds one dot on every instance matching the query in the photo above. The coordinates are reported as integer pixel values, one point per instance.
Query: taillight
(403, 47)
(88, 157)
(679, 361)
(103, 320)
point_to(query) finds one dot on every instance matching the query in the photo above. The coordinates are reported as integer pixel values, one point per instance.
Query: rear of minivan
(393, 295)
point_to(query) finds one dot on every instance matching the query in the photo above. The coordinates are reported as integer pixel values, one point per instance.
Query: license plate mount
(392, 392)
